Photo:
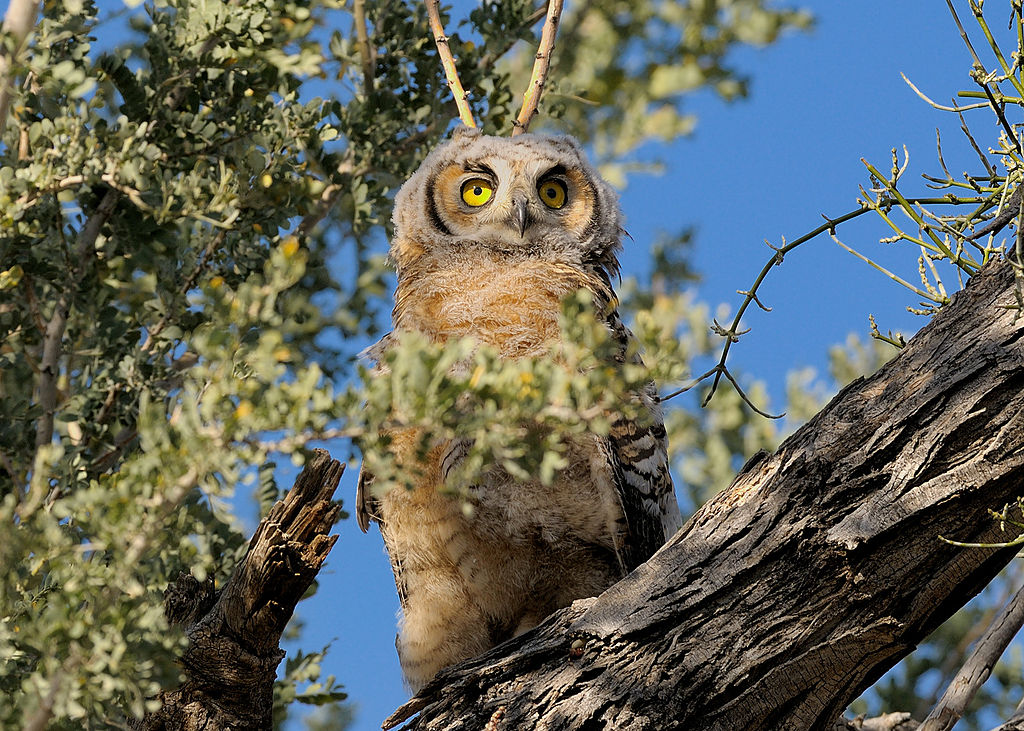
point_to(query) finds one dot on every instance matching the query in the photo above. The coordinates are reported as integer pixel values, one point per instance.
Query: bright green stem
(999, 97)
(968, 266)
(939, 300)
(995, 48)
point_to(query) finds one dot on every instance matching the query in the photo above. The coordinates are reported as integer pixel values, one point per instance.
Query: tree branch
(448, 62)
(46, 388)
(531, 97)
(796, 588)
(366, 52)
(976, 670)
(232, 658)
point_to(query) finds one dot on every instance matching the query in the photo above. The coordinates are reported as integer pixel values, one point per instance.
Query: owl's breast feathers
(510, 304)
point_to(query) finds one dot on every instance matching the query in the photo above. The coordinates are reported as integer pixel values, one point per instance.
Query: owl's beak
(520, 216)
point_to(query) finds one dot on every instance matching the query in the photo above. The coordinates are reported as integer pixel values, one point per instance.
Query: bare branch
(751, 293)
(448, 62)
(1010, 211)
(234, 636)
(976, 670)
(531, 97)
(979, 105)
(19, 20)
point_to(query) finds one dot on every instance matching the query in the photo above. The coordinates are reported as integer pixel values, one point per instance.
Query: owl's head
(524, 196)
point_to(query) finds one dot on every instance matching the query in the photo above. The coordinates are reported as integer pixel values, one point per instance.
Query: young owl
(491, 234)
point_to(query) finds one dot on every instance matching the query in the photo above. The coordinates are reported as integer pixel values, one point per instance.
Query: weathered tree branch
(951, 707)
(795, 589)
(233, 652)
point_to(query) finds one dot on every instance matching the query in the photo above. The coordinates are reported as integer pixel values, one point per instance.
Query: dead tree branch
(233, 654)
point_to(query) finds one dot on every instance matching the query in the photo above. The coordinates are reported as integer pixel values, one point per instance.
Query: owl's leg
(441, 625)
(529, 621)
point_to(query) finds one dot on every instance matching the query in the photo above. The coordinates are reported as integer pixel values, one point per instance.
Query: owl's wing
(367, 510)
(639, 460)
(638, 452)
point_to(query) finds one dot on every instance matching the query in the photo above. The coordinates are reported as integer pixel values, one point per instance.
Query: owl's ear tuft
(462, 133)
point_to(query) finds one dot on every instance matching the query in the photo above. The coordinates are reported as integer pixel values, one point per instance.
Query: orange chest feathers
(511, 306)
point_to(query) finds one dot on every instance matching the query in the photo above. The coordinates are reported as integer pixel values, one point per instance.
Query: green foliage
(151, 291)
(519, 415)
(304, 669)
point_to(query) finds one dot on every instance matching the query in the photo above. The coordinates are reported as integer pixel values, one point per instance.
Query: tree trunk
(232, 658)
(792, 591)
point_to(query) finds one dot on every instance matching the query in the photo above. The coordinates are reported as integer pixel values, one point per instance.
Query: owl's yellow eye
(553, 192)
(476, 192)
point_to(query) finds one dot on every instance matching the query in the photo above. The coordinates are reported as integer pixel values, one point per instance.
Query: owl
(490, 234)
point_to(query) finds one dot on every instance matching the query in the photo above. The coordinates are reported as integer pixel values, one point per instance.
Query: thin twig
(448, 63)
(366, 51)
(750, 295)
(1009, 212)
(963, 34)
(978, 667)
(979, 77)
(979, 105)
(776, 259)
(531, 97)
(19, 20)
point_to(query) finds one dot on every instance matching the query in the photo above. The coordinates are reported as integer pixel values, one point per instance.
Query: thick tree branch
(233, 652)
(821, 566)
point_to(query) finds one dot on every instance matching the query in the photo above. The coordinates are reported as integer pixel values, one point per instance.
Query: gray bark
(796, 588)
(951, 707)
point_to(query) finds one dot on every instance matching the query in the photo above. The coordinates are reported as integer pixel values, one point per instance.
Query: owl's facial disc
(512, 203)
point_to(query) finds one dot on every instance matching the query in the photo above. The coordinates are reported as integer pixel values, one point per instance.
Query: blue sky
(757, 169)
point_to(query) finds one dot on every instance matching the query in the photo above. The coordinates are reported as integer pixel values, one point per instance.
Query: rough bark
(821, 566)
(233, 652)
